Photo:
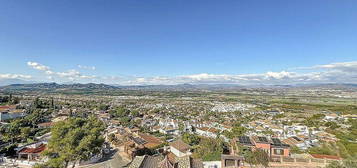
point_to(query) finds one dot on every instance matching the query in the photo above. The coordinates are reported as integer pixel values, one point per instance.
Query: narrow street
(112, 160)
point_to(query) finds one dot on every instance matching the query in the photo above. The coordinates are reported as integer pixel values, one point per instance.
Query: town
(178, 84)
(267, 127)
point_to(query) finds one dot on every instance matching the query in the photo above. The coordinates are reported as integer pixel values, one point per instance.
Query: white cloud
(279, 75)
(15, 76)
(71, 74)
(339, 65)
(86, 67)
(344, 72)
(38, 66)
(88, 76)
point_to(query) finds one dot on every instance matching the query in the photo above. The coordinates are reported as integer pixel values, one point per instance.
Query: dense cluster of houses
(264, 133)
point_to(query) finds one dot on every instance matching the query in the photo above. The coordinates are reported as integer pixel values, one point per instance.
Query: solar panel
(139, 141)
(276, 141)
(278, 144)
(247, 139)
(263, 139)
(296, 138)
(244, 140)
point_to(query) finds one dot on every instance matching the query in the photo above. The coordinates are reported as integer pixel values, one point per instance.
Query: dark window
(229, 162)
(279, 151)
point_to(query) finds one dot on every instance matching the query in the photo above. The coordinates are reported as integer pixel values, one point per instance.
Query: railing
(287, 160)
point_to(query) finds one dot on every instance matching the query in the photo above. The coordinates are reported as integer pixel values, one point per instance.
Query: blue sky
(176, 41)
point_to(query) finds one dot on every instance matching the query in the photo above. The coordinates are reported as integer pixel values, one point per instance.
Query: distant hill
(236, 86)
(181, 87)
(4, 82)
(54, 87)
(104, 88)
(58, 86)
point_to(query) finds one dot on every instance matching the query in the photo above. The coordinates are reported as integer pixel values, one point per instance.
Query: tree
(103, 107)
(347, 163)
(135, 113)
(120, 112)
(37, 116)
(335, 164)
(190, 139)
(12, 131)
(52, 103)
(125, 120)
(209, 149)
(262, 157)
(237, 130)
(256, 157)
(296, 150)
(324, 149)
(350, 162)
(181, 126)
(332, 125)
(249, 158)
(37, 102)
(73, 140)
(25, 132)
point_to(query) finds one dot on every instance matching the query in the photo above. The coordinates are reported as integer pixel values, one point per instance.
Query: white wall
(212, 164)
(178, 153)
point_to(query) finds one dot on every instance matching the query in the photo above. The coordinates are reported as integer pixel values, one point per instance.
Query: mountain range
(53, 87)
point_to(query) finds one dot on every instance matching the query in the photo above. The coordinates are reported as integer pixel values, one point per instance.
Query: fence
(287, 160)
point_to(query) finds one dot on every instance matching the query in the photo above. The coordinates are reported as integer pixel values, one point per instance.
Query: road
(112, 160)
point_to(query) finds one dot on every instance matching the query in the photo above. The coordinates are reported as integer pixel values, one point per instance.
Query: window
(279, 151)
(230, 162)
(213, 166)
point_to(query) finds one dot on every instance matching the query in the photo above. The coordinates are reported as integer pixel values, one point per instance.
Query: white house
(207, 132)
(180, 149)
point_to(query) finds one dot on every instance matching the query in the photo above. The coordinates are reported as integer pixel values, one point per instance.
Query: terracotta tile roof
(46, 124)
(227, 126)
(166, 163)
(213, 130)
(303, 136)
(196, 163)
(326, 156)
(171, 157)
(180, 145)
(156, 127)
(291, 141)
(7, 107)
(145, 162)
(152, 141)
(39, 149)
(184, 162)
(150, 162)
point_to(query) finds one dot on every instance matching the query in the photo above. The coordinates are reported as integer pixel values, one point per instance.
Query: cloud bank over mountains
(15, 76)
(341, 72)
(344, 72)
